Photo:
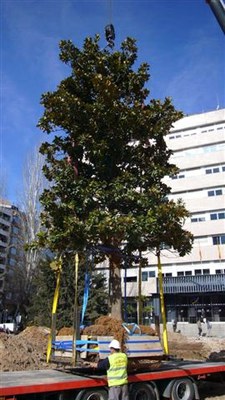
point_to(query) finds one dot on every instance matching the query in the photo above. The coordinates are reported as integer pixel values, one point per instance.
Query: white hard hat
(115, 344)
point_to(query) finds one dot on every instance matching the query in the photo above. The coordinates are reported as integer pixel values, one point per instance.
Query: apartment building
(194, 285)
(11, 254)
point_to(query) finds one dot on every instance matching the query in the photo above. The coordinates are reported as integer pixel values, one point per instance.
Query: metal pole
(75, 322)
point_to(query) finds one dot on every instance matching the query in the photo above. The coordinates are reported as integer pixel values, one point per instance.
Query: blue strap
(86, 295)
(87, 279)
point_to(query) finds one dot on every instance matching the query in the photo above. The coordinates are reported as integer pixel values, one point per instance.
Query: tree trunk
(115, 292)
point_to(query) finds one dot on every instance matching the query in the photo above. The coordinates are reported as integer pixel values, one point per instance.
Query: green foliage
(108, 156)
(98, 301)
(108, 163)
(39, 312)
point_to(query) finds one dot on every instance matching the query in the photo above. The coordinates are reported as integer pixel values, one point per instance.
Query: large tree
(107, 159)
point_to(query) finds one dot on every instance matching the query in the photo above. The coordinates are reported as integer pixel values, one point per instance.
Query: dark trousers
(118, 392)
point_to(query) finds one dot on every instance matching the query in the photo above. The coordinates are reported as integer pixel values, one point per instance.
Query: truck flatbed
(48, 380)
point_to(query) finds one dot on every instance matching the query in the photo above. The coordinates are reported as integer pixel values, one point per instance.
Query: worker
(116, 366)
(174, 324)
(199, 325)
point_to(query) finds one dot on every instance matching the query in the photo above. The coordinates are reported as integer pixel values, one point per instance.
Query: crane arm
(218, 9)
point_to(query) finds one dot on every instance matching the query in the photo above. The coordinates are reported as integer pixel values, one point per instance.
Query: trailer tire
(94, 394)
(142, 391)
(182, 389)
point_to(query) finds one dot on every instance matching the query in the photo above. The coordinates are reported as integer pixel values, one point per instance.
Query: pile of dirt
(65, 331)
(190, 348)
(108, 326)
(25, 351)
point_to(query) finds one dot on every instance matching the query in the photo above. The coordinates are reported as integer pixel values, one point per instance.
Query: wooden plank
(103, 344)
(61, 353)
(141, 346)
(137, 346)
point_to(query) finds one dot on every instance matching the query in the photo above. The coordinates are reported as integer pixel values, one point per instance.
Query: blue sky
(180, 39)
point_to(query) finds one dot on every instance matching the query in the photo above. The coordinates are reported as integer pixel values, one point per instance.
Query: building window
(4, 227)
(188, 273)
(198, 219)
(144, 276)
(151, 274)
(206, 272)
(212, 170)
(218, 239)
(221, 215)
(168, 274)
(180, 273)
(130, 279)
(217, 192)
(215, 216)
(219, 271)
(3, 238)
(4, 216)
(2, 250)
(198, 271)
(178, 176)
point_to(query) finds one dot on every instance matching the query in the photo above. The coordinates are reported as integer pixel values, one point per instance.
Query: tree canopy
(107, 159)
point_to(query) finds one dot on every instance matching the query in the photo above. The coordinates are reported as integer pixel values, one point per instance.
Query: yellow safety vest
(117, 372)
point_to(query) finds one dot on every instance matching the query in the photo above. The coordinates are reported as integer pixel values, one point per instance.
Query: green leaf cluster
(39, 311)
(107, 163)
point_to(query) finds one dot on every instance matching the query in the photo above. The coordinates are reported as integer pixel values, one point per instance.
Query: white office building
(194, 284)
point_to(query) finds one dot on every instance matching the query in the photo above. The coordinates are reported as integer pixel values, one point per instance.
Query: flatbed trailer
(176, 380)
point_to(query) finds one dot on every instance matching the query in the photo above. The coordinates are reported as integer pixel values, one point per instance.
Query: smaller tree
(43, 291)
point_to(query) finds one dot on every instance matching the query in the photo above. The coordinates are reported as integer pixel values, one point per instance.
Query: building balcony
(194, 284)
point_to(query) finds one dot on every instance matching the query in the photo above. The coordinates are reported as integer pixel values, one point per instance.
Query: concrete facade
(11, 252)
(198, 145)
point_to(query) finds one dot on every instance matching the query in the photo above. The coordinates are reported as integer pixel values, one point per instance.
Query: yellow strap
(165, 336)
(54, 308)
(56, 295)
